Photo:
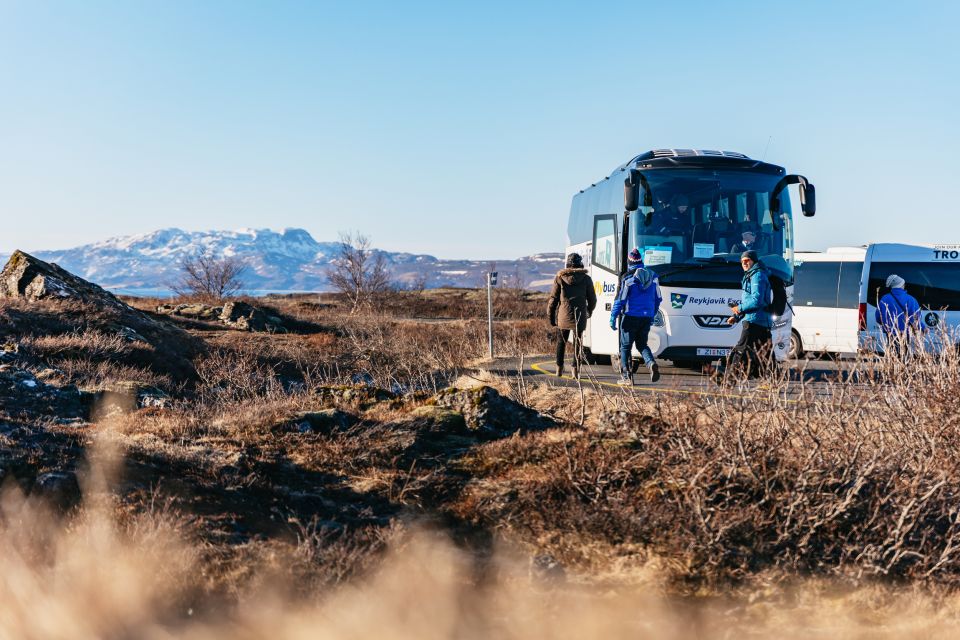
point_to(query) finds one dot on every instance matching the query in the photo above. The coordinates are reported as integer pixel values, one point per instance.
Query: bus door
(604, 271)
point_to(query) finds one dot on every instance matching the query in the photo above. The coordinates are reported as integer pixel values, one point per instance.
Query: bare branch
(209, 278)
(358, 272)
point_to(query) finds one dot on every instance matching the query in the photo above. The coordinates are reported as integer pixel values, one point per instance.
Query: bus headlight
(658, 319)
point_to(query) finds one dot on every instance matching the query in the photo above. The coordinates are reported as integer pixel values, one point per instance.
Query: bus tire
(795, 350)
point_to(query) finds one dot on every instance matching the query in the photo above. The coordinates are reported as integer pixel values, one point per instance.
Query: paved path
(819, 376)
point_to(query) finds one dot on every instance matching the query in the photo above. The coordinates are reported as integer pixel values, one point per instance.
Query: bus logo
(931, 319)
(712, 322)
(603, 287)
(946, 252)
(677, 300)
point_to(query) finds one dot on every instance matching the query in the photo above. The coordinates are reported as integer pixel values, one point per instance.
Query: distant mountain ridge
(285, 260)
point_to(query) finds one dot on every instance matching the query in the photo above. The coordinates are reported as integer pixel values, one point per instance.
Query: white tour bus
(826, 295)
(932, 274)
(686, 210)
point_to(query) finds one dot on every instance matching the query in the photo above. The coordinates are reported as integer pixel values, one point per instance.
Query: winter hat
(750, 254)
(574, 261)
(896, 282)
(634, 259)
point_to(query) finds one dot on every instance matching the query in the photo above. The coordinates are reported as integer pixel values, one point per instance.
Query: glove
(613, 323)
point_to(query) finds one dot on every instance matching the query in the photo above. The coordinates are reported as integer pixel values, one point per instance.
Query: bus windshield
(706, 218)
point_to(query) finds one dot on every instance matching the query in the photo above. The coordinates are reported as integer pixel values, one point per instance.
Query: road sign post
(491, 281)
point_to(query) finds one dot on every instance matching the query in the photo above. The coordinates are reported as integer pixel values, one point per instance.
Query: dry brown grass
(806, 510)
(100, 576)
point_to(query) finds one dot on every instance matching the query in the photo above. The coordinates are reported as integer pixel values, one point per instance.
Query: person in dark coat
(572, 301)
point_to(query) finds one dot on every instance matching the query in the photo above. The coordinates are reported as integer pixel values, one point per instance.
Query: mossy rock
(362, 395)
(440, 419)
(486, 411)
(325, 421)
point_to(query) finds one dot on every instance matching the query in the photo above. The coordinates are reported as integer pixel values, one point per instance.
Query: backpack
(778, 296)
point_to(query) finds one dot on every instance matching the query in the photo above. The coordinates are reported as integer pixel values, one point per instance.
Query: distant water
(167, 293)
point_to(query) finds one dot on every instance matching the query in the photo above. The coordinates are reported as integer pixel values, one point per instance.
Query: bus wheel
(796, 346)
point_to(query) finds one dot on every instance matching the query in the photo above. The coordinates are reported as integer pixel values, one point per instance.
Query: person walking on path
(754, 350)
(572, 301)
(898, 313)
(635, 307)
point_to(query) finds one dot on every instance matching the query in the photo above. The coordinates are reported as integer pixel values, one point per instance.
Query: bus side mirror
(631, 194)
(808, 196)
(631, 191)
(808, 200)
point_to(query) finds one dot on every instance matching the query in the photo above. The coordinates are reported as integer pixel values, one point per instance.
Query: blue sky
(456, 129)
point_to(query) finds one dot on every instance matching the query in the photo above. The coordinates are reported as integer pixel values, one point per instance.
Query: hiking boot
(625, 381)
(654, 372)
(559, 370)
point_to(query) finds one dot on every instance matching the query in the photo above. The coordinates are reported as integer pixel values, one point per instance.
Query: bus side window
(605, 243)
(849, 294)
(816, 284)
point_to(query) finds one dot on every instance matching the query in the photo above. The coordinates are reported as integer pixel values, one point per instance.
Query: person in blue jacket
(754, 350)
(636, 305)
(898, 313)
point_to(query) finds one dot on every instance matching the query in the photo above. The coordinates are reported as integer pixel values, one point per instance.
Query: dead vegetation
(295, 461)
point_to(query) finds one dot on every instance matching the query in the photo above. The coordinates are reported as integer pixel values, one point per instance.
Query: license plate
(702, 351)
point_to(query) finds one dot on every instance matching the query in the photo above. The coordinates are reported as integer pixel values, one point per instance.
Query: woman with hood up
(636, 306)
(572, 301)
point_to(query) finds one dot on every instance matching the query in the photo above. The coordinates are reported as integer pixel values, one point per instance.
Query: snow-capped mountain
(286, 260)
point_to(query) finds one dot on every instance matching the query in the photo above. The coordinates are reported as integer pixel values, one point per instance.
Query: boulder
(32, 279)
(243, 316)
(361, 395)
(325, 421)
(130, 335)
(198, 311)
(487, 412)
(22, 393)
(440, 420)
(60, 488)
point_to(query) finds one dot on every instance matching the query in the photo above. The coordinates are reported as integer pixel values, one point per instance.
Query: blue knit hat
(634, 258)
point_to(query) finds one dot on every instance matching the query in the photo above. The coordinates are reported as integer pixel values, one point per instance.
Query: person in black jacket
(572, 301)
